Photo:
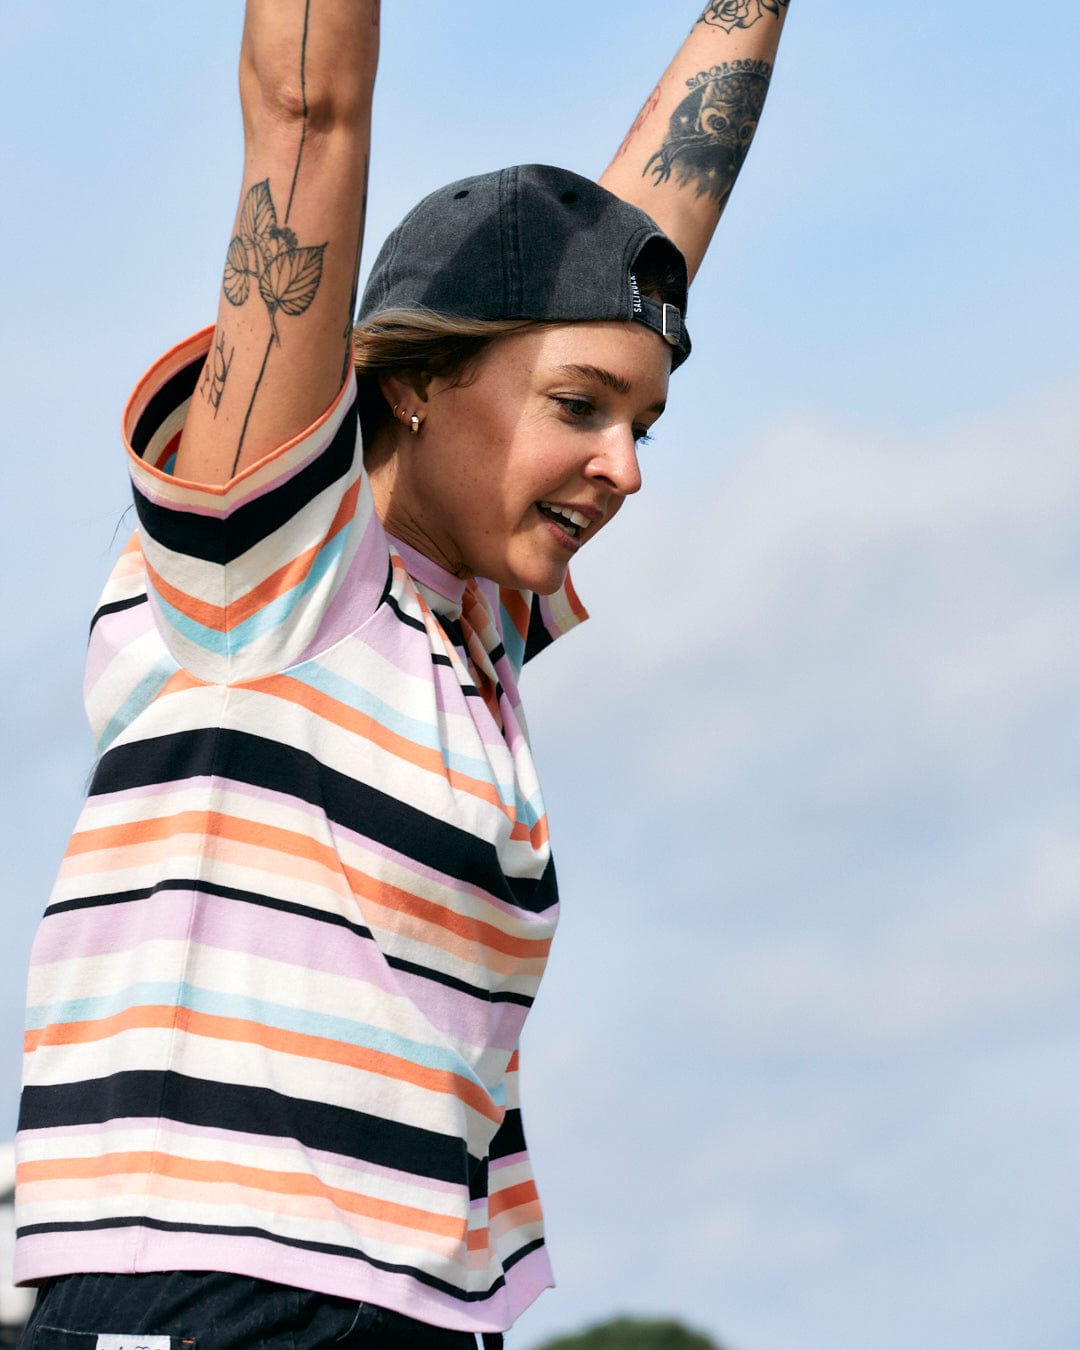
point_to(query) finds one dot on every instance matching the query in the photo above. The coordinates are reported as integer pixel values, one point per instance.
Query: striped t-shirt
(275, 1001)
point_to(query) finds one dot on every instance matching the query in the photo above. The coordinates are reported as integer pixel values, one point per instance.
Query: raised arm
(680, 159)
(282, 343)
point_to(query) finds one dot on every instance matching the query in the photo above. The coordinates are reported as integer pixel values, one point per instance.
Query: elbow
(284, 88)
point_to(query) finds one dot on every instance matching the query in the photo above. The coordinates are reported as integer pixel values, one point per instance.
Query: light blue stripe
(271, 616)
(528, 811)
(513, 641)
(276, 1015)
(137, 701)
(412, 729)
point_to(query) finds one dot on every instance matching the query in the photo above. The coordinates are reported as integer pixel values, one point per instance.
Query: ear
(404, 388)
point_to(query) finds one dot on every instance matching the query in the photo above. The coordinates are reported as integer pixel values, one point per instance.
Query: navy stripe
(358, 807)
(222, 539)
(509, 1138)
(538, 636)
(164, 403)
(117, 607)
(247, 1110)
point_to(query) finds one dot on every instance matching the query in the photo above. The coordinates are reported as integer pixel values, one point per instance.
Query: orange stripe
(513, 1198)
(180, 683)
(301, 1044)
(513, 602)
(429, 912)
(576, 607)
(223, 617)
(203, 824)
(249, 1178)
(290, 843)
(361, 724)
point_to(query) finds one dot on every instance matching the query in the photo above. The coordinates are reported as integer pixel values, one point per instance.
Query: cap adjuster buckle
(671, 325)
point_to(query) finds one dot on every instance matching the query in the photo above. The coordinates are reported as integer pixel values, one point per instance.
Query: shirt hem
(45, 1256)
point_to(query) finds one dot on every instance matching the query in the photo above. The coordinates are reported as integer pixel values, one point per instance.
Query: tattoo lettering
(711, 129)
(216, 372)
(647, 110)
(729, 14)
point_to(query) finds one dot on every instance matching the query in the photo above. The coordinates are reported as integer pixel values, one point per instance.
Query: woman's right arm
(680, 159)
(282, 344)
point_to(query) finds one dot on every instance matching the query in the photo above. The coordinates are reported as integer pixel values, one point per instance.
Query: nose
(617, 462)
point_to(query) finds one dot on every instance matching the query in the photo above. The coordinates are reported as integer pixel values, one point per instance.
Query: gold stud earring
(414, 422)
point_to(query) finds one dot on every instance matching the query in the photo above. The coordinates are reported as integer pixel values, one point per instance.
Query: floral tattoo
(729, 14)
(710, 131)
(266, 256)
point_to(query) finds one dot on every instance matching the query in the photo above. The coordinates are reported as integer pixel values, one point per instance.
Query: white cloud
(809, 1014)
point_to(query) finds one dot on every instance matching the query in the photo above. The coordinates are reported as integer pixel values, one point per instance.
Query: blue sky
(805, 1067)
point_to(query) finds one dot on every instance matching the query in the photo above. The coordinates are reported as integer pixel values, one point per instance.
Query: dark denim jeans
(207, 1310)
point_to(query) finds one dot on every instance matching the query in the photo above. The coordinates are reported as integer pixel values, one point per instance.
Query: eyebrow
(607, 378)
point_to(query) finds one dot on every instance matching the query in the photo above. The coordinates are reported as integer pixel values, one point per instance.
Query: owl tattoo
(710, 131)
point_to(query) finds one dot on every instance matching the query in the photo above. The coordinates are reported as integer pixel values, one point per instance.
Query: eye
(642, 436)
(576, 409)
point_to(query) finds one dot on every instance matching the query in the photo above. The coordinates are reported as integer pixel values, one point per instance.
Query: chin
(538, 580)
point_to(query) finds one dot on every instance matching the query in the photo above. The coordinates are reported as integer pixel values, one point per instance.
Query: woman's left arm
(680, 159)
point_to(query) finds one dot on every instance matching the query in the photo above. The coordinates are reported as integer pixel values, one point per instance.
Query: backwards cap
(528, 242)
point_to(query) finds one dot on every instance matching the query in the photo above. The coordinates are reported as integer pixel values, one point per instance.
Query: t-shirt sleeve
(251, 576)
(528, 622)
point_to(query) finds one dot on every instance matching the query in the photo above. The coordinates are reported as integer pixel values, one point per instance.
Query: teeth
(567, 513)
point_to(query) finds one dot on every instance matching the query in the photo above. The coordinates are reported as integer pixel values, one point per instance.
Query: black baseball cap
(529, 242)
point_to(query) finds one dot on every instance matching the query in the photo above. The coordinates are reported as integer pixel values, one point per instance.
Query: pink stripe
(112, 633)
(511, 1160)
(43, 1255)
(288, 939)
(360, 589)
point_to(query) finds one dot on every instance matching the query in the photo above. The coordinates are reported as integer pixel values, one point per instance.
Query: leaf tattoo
(237, 280)
(266, 253)
(285, 273)
(257, 216)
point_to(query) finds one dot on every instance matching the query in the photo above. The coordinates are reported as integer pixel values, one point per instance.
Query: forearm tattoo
(647, 109)
(710, 131)
(216, 372)
(350, 317)
(267, 257)
(729, 14)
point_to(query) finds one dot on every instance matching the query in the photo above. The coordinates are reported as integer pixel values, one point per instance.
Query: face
(522, 465)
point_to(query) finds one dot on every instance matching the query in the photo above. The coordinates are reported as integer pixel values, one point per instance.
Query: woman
(270, 1093)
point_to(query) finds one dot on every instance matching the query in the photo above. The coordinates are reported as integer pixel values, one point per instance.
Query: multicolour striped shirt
(276, 998)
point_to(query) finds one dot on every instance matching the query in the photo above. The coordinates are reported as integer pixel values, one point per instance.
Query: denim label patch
(134, 1343)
